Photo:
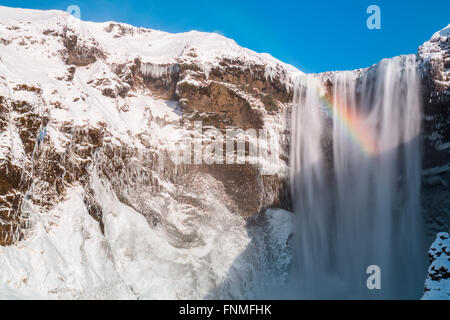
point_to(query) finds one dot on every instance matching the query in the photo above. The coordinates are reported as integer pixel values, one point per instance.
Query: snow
(157, 48)
(14, 15)
(434, 53)
(437, 283)
(11, 146)
(442, 34)
(66, 256)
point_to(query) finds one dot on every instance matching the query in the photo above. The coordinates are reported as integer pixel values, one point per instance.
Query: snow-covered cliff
(92, 203)
(434, 56)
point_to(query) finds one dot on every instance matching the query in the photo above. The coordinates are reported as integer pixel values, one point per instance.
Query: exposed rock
(435, 66)
(437, 284)
(225, 102)
(80, 53)
(434, 56)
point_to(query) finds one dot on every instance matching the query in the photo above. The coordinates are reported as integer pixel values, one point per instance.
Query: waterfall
(355, 180)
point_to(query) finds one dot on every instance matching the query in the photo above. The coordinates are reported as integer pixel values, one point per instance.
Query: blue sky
(312, 35)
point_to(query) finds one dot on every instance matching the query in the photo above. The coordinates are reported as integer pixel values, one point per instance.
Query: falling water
(355, 174)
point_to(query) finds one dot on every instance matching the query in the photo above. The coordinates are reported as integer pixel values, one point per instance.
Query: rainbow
(353, 123)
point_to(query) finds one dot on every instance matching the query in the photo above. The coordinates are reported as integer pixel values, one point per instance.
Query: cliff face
(93, 187)
(79, 96)
(434, 56)
(91, 116)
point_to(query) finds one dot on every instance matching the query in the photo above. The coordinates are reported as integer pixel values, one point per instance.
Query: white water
(355, 208)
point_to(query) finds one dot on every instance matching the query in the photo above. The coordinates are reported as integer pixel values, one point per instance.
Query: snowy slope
(67, 257)
(122, 41)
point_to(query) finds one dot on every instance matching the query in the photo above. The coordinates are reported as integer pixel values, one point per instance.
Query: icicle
(158, 71)
(206, 70)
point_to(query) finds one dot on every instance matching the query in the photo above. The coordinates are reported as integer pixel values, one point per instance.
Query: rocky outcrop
(437, 284)
(434, 57)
